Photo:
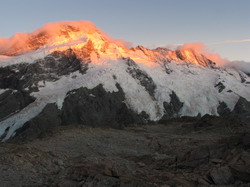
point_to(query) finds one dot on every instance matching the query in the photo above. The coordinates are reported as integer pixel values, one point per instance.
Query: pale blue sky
(145, 22)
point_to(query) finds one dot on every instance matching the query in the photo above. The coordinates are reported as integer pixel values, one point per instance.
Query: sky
(222, 25)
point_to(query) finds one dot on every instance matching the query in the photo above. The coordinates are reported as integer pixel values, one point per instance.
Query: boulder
(194, 158)
(90, 174)
(241, 168)
(221, 175)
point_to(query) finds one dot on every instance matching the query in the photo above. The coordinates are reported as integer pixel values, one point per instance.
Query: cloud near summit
(223, 62)
(201, 48)
(52, 33)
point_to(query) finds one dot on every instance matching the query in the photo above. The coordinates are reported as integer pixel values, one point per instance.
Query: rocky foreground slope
(188, 152)
(75, 74)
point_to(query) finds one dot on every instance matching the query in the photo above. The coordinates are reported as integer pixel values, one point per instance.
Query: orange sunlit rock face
(52, 34)
(91, 44)
(200, 48)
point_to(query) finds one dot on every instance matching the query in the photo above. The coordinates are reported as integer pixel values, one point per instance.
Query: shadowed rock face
(220, 86)
(26, 76)
(223, 109)
(43, 123)
(242, 109)
(97, 107)
(13, 101)
(144, 79)
(172, 108)
(92, 107)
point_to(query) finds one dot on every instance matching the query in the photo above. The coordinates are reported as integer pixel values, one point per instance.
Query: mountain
(73, 73)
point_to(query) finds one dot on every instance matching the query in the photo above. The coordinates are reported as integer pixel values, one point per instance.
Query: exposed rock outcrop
(242, 109)
(39, 126)
(12, 101)
(223, 109)
(144, 79)
(220, 86)
(28, 75)
(97, 107)
(172, 108)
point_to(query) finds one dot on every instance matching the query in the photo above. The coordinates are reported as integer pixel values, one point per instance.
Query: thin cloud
(201, 48)
(239, 65)
(229, 42)
(213, 43)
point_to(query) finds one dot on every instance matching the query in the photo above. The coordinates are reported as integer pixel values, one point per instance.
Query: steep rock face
(220, 86)
(92, 107)
(144, 79)
(242, 109)
(12, 101)
(190, 55)
(48, 119)
(51, 68)
(179, 55)
(172, 108)
(97, 107)
(223, 109)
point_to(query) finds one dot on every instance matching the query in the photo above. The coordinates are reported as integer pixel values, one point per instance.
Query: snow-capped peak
(94, 79)
(87, 41)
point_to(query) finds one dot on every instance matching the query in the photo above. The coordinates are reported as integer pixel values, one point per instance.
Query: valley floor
(187, 152)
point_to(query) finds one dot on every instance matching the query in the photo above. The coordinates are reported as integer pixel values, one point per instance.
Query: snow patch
(3, 90)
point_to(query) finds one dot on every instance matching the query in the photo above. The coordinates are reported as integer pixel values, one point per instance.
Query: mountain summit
(73, 73)
(81, 36)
